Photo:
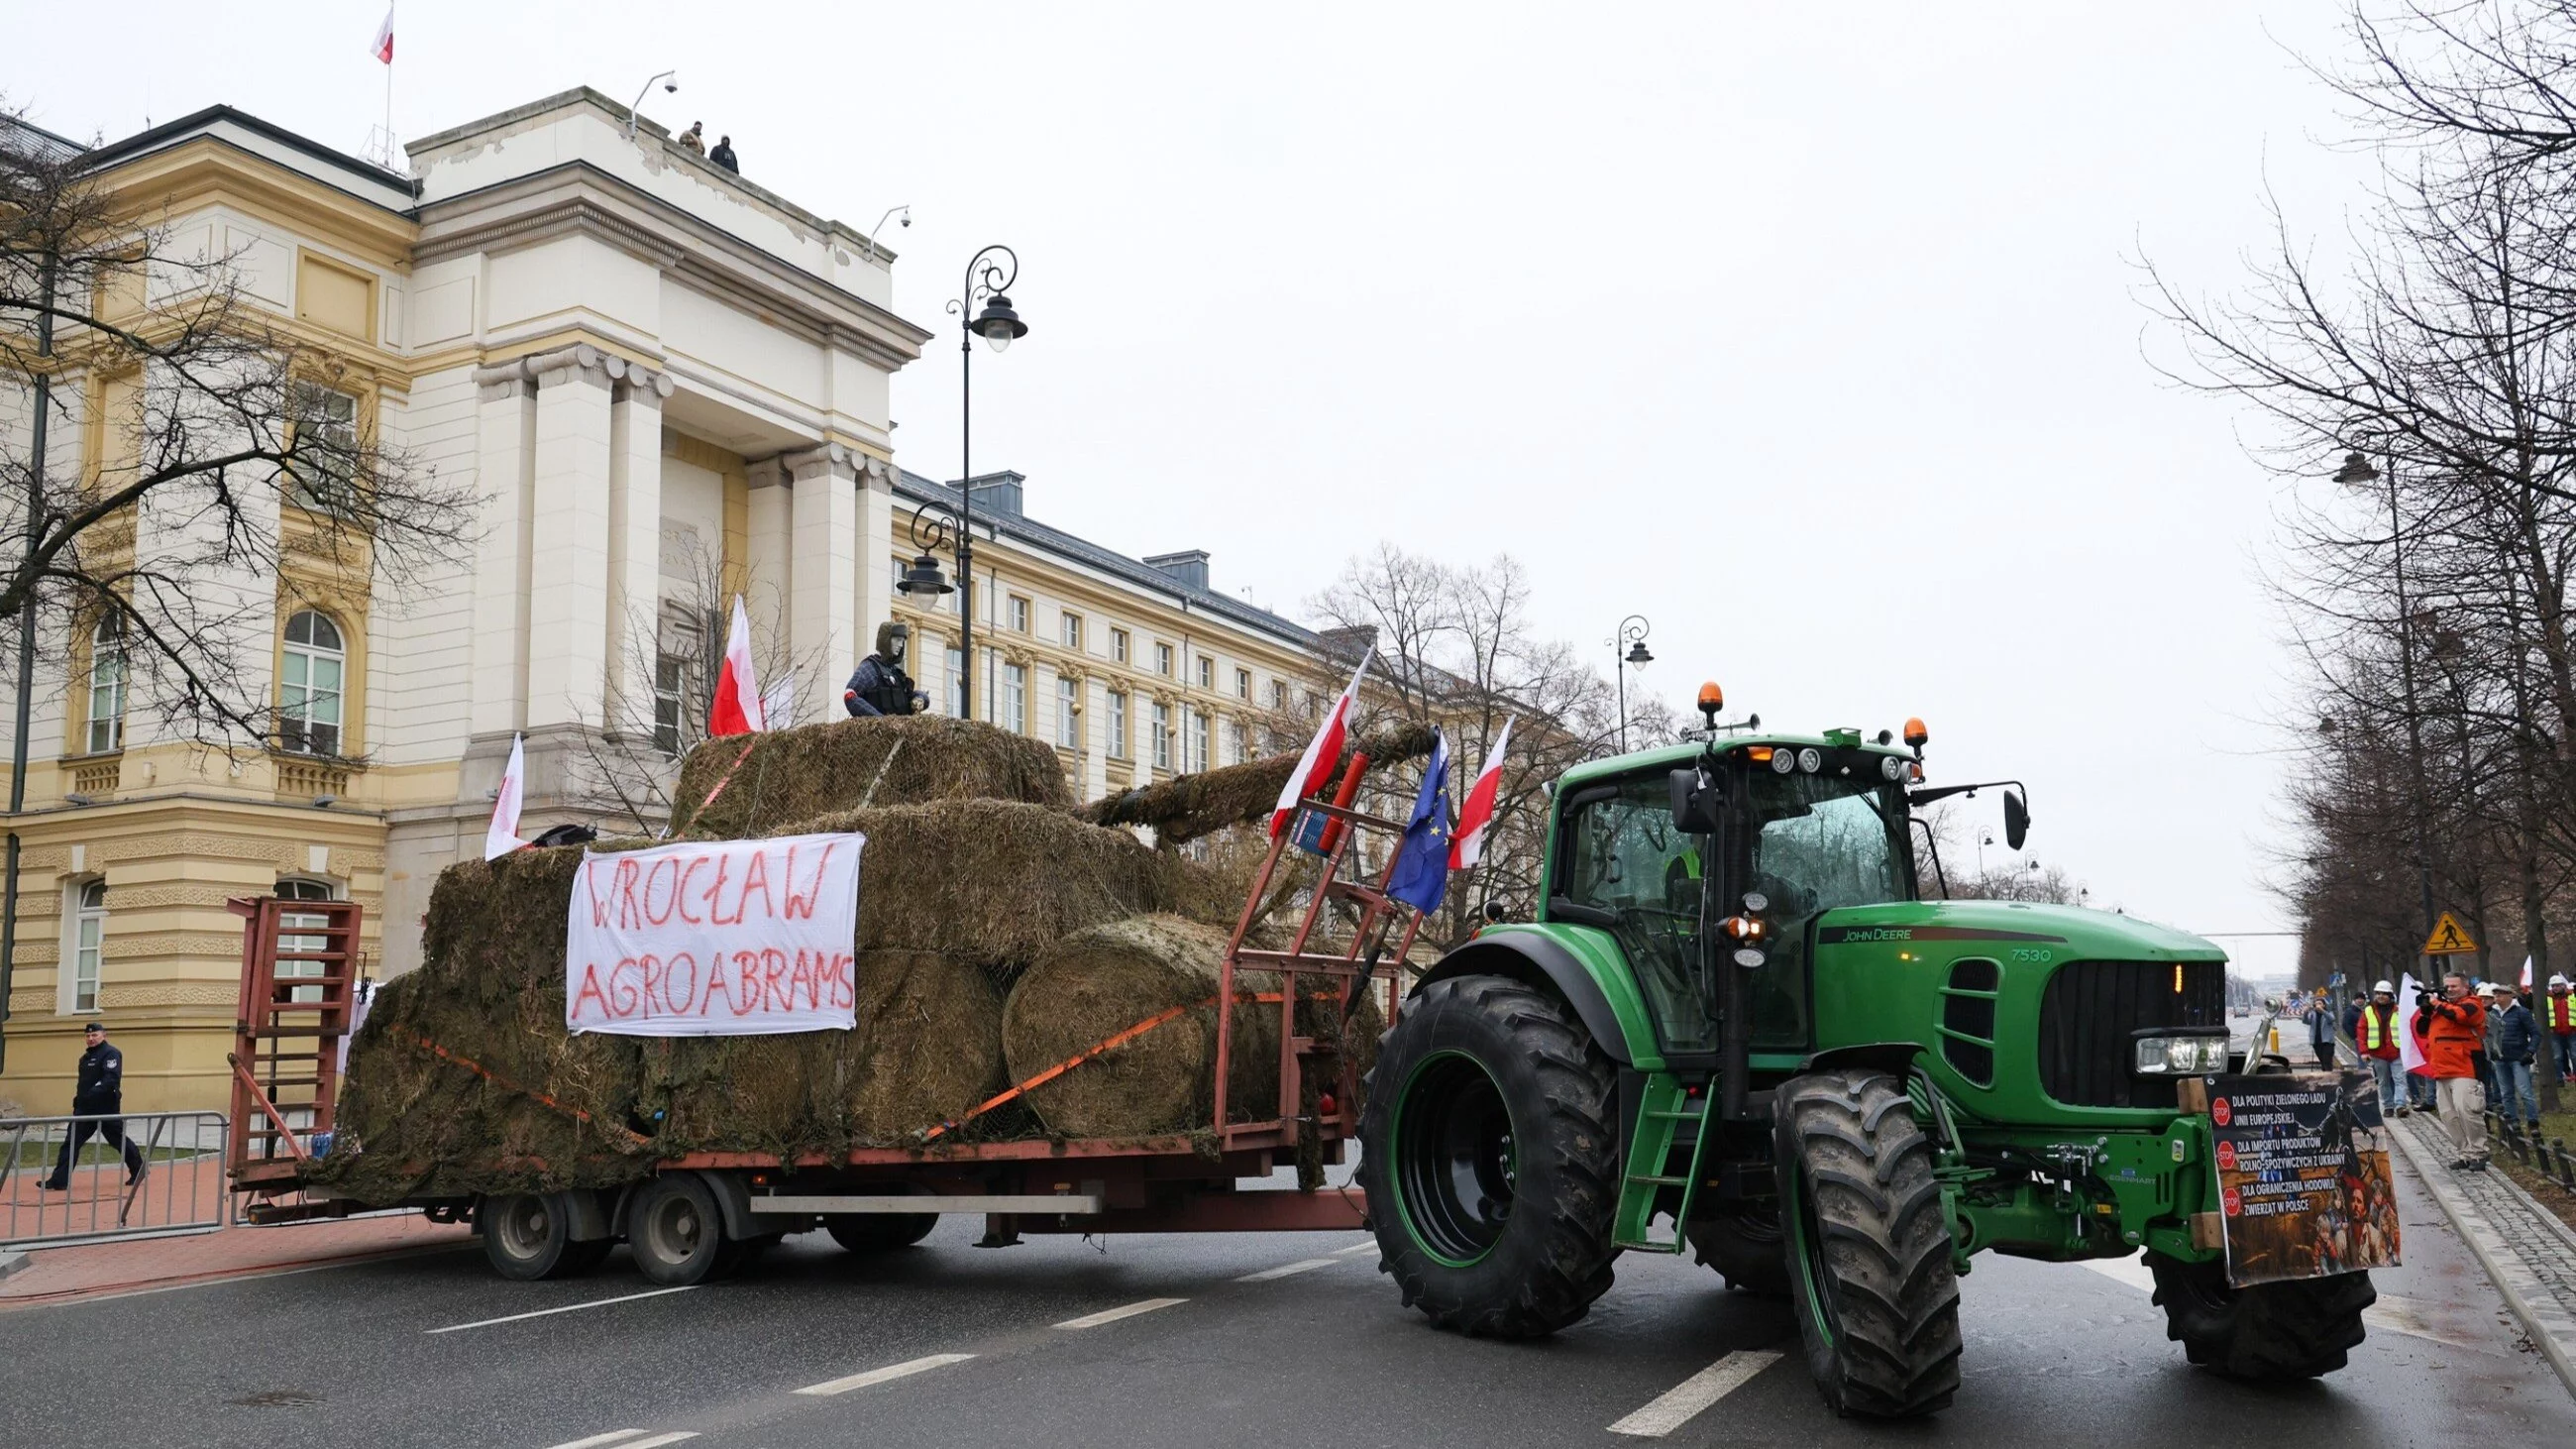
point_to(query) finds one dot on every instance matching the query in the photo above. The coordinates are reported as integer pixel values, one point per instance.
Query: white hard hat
(2382, 988)
(2557, 980)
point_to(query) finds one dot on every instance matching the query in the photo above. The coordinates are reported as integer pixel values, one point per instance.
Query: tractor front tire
(2271, 1331)
(1491, 1160)
(1748, 1248)
(1870, 1274)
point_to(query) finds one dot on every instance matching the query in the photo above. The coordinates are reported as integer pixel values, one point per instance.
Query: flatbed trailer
(699, 1214)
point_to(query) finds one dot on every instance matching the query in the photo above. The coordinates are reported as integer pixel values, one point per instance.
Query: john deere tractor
(1738, 1026)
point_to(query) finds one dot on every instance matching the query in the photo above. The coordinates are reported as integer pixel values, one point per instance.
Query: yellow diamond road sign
(2449, 938)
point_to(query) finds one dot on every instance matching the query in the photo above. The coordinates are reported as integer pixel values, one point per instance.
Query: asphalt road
(1264, 1337)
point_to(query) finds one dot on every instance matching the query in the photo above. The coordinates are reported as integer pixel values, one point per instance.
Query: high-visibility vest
(2374, 1031)
(2559, 1012)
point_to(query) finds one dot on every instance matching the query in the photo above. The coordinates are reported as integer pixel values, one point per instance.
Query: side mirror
(2016, 820)
(1694, 804)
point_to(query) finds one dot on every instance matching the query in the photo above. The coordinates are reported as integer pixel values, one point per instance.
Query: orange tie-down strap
(498, 1080)
(1160, 1018)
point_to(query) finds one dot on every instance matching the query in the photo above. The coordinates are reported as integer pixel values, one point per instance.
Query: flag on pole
(1467, 843)
(1315, 768)
(383, 48)
(2526, 973)
(737, 709)
(2410, 1053)
(1421, 874)
(503, 835)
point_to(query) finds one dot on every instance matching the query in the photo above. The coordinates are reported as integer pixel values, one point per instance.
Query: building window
(1019, 608)
(1015, 698)
(954, 664)
(1239, 740)
(1243, 684)
(1163, 660)
(1117, 725)
(1072, 630)
(1162, 736)
(1068, 712)
(1279, 694)
(89, 936)
(298, 889)
(1118, 645)
(1207, 672)
(324, 444)
(310, 700)
(1198, 739)
(670, 700)
(107, 685)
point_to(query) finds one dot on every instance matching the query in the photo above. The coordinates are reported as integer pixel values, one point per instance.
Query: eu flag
(1422, 862)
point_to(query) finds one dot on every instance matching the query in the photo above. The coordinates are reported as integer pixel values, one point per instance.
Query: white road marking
(567, 1308)
(658, 1440)
(1368, 1247)
(1287, 1270)
(1112, 1315)
(2132, 1271)
(1695, 1393)
(890, 1372)
(613, 1436)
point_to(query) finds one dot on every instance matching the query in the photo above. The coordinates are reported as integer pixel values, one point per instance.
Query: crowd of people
(2479, 1048)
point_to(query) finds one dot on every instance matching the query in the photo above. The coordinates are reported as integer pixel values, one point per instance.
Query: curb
(2533, 1306)
(11, 1262)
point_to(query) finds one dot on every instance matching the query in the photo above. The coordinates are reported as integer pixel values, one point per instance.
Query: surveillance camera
(907, 218)
(671, 88)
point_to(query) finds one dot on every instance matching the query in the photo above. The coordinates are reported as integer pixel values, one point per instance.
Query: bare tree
(220, 455)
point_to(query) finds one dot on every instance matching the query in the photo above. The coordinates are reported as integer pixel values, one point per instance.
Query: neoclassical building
(666, 382)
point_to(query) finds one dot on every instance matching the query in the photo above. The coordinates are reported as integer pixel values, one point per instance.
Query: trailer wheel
(1491, 1159)
(1748, 1247)
(528, 1236)
(677, 1231)
(1876, 1299)
(2271, 1331)
(879, 1232)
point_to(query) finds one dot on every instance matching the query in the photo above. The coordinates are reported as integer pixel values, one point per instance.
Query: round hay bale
(1101, 981)
(776, 778)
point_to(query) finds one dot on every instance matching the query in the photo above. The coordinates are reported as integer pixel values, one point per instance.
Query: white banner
(715, 938)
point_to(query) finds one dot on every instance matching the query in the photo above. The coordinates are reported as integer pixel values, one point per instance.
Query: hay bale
(797, 774)
(1101, 981)
(1188, 806)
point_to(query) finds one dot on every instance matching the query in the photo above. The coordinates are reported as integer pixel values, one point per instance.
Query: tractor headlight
(1783, 761)
(1810, 761)
(1891, 767)
(2181, 1056)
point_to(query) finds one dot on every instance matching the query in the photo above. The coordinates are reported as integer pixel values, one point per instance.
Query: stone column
(877, 531)
(767, 568)
(568, 579)
(823, 582)
(505, 425)
(634, 544)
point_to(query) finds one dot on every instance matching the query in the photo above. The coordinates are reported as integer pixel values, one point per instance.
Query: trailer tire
(676, 1229)
(1490, 1158)
(528, 1236)
(879, 1232)
(1748, 1248)
(1871, 1280)
(2269, 1332)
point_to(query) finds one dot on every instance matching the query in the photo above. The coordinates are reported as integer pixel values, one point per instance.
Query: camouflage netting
(798, 774)
(957, 897)
(1187, 807)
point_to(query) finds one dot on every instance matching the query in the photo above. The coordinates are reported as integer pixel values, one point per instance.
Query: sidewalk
(2528, 1253)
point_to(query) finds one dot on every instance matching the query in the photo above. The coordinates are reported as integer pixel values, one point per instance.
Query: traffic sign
(2449, 938)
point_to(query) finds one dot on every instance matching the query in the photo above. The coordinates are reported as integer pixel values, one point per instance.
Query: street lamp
(988, 278)
(1632, 632)
(2357, 471)
(670, 80)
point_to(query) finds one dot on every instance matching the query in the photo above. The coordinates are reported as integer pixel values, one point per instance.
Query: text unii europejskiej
(745, 980)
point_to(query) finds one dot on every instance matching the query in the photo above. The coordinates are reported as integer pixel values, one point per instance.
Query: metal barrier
(181, 1189)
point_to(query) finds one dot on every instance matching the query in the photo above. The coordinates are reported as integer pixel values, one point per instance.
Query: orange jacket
(2374, 1032)
(2453, 1029)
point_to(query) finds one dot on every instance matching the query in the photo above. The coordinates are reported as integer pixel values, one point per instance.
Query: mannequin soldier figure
(879, 686)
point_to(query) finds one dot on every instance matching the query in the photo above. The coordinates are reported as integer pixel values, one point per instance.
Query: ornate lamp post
(988, 279)
(1632, 633)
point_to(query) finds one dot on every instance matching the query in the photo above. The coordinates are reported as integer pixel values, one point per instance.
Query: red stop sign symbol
(2232, 1202)
(2219, 1113)
(2227, 1157)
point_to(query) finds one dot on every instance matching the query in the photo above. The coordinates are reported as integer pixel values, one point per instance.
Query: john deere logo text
(1884, 933)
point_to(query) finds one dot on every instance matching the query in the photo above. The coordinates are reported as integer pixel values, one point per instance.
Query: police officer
(879, 686)
(98, 1096)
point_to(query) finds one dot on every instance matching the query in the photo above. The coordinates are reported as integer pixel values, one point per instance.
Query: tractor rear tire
(1871, 1279)
(1491, 1159)
(1747, 1247)
(2269, 1332)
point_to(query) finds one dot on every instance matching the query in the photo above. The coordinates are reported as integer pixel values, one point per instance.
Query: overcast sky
(1813, 337)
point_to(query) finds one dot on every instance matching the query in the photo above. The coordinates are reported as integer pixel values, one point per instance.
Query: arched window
(89, 936)
(107, 685)
(309, 703)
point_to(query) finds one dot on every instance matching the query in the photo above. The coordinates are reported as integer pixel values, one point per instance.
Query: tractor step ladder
(301, 961)
(1667, 1104)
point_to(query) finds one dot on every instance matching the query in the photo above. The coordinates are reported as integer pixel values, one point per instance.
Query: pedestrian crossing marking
(2449, 938)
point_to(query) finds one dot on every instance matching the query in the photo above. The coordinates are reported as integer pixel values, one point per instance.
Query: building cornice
(207, 170)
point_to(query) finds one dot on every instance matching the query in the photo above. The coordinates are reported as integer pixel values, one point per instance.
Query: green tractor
(1738, 1027)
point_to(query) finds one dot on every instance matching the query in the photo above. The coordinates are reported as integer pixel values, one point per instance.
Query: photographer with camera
(2455, 1026)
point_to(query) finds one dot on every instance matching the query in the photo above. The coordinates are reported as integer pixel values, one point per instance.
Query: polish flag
(503, 836)
(2526, 973)
(1315, 768)
(737, 709)
(2410, 1055)
(1467, 842)
(383, 49)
